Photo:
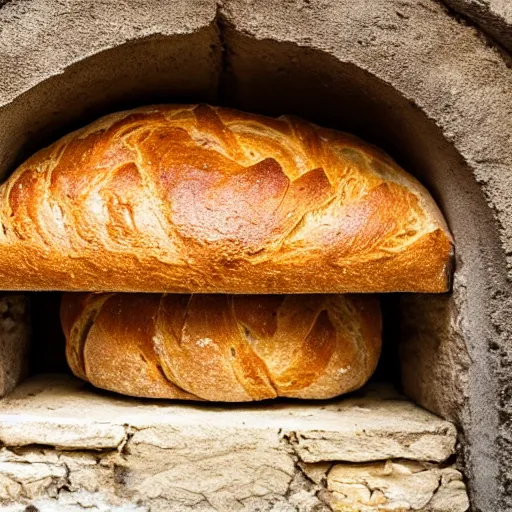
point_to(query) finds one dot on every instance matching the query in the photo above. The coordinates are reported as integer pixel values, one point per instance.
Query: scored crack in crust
(193, 198)
(231, 348)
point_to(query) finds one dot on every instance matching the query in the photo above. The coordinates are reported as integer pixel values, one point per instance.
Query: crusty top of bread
(193, 198)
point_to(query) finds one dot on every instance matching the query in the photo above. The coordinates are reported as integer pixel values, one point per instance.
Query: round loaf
(198, 199)
(230, 348)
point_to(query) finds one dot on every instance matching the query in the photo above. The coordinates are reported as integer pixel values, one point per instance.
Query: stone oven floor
(67, 447)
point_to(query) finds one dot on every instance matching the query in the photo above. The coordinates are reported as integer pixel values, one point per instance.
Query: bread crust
(200, 199)
(230, 348)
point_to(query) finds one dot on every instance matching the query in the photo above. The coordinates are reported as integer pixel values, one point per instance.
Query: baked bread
(230, 348)
(198, 199)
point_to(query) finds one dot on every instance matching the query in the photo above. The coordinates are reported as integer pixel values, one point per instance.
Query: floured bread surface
(231, 348)
(199, 199)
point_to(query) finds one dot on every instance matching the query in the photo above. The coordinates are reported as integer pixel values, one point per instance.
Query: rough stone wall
(42, 34)
(139, 478)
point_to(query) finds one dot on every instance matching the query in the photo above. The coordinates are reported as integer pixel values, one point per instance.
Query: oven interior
(271, 78)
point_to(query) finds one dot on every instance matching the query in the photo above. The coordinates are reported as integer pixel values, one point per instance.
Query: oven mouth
(386, 432)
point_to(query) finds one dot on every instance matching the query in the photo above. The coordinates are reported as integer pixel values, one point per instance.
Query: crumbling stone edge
(49, 478)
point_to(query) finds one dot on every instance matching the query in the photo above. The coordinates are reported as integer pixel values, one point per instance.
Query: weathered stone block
(396, 486)
(112, 451)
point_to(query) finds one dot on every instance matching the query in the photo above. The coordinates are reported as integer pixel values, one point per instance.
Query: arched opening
(433, 346)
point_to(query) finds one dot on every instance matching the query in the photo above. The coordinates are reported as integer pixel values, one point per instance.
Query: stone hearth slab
(68, 447)
(375, 424)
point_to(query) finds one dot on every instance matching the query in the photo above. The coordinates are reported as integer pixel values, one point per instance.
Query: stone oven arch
(405, 75)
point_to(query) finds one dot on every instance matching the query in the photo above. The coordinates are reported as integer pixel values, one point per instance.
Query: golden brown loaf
(231, 348)
(201, 199)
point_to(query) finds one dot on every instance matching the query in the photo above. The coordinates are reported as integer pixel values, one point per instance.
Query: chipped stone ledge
(392, 485)
(67, 448)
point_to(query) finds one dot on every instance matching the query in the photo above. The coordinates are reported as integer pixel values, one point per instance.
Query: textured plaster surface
(494, 16)
(405, 74)
(66, 445)
(43, 34)
(435, 363)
